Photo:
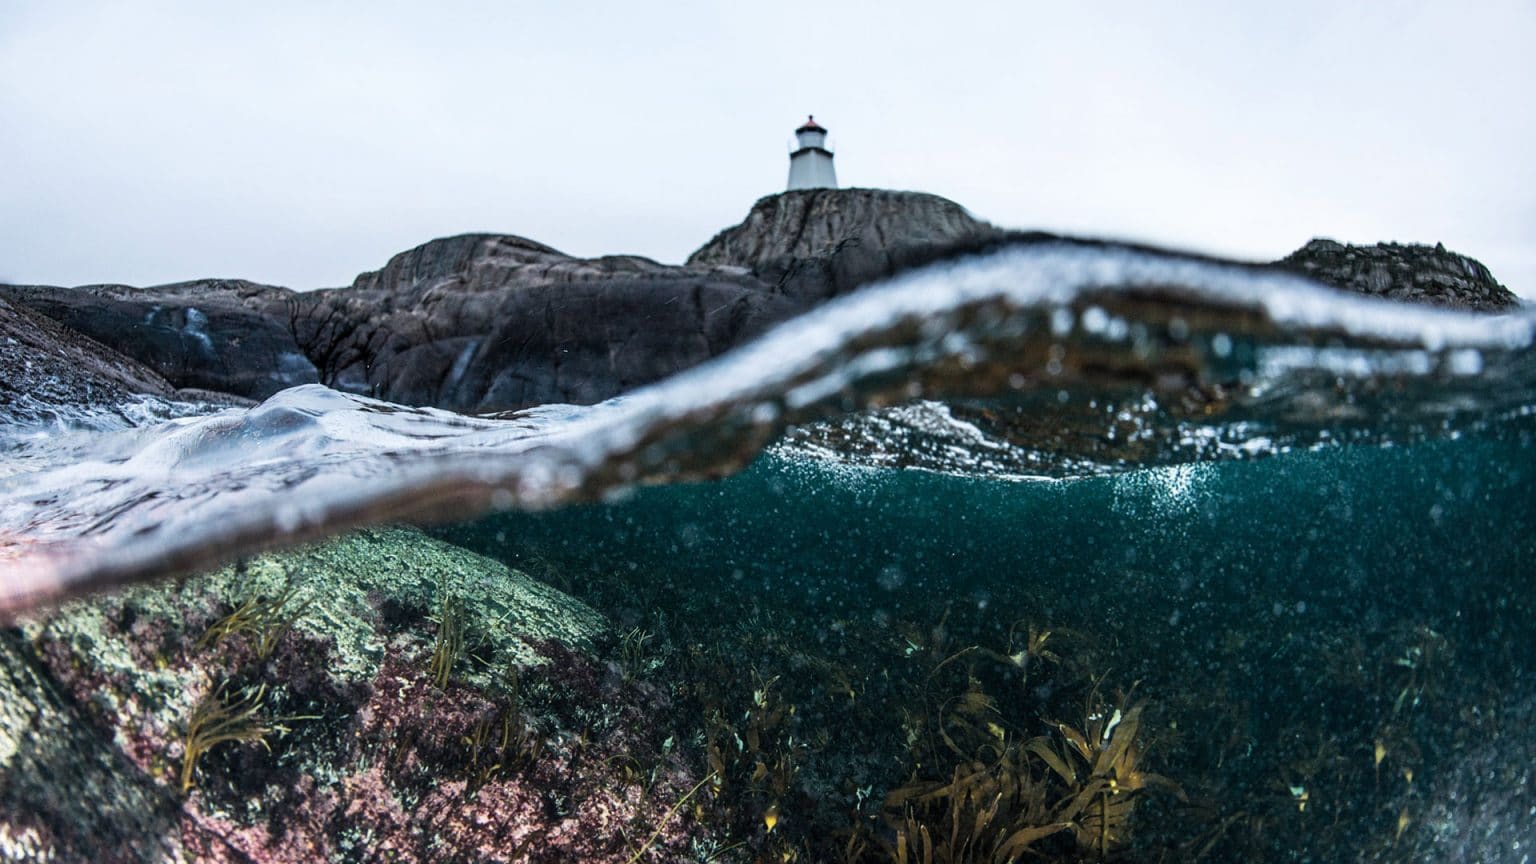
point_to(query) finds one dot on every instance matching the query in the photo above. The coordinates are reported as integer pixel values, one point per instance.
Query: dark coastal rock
(1420, 274)
(817, 243)
(229, 336)
(49, 368)
(486, 322)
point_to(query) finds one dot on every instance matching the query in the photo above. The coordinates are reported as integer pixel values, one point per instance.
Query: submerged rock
(68, 793)
(402, 692)
(1416, 273)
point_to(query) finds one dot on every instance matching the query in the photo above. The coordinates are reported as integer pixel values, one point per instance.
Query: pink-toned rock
(520, 756)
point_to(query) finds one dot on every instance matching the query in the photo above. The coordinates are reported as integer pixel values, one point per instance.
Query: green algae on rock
(364, 753)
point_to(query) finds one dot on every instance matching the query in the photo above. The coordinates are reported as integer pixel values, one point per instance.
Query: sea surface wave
(1045, 361)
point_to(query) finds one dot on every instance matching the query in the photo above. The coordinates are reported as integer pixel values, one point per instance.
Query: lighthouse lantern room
(810, 164)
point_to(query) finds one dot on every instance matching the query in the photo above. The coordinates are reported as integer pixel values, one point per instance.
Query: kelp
(265, 619)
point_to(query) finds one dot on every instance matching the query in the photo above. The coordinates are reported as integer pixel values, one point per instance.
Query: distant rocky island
(492, 322)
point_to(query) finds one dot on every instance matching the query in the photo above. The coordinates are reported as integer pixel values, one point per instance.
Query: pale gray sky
(299, 143)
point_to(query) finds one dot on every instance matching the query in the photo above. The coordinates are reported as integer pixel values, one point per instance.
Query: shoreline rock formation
(1411, 273)
(488, 322)
(48, 365)
(815, 244)
(222, 335)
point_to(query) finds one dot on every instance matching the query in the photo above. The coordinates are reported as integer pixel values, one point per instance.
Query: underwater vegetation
(264, 619)
(220, 717)
(388, 697)
(504, 742)
(914, 750)
(216, 720)
(1208, 706)
(1008, 793)
(449, 642)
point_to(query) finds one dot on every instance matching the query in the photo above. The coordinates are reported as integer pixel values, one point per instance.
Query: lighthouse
(810, 165)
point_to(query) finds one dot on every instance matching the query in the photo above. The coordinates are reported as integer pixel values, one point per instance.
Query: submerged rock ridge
(408, 700)
(1412, 272)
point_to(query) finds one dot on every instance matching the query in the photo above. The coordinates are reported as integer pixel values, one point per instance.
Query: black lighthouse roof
(811, 125)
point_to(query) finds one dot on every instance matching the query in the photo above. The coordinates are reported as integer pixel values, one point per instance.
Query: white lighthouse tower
(810, 165)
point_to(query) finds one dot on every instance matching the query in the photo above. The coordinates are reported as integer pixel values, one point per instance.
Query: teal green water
(1433, 526)
(1352, 622)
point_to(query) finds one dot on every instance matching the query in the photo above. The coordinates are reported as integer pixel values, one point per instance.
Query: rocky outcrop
(1421, 274)
(49, 368)
(485, 322)
(229, 336)
(488, 322)
(817, 243)
(812, 222)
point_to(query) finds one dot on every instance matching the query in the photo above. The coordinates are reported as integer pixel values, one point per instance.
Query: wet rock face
(817, 243)
(47, 367)
(490, 322)
(67, 794)
(1420, 274)
(228, 336)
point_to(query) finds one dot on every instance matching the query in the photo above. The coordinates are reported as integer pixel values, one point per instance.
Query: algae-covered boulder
(383, 696)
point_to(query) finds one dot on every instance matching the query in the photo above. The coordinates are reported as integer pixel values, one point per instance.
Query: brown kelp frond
(267, 619)
(1100, 764)
(755, 752)
(988, 814)
(971, 725)
(508, 743)
(994, 806)
(215, 720)
(662, 823)
(495, 747)
(1007, 795)
(450, 639)
(635, 652)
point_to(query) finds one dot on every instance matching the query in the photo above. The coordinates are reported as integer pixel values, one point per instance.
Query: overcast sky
(300, 143)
